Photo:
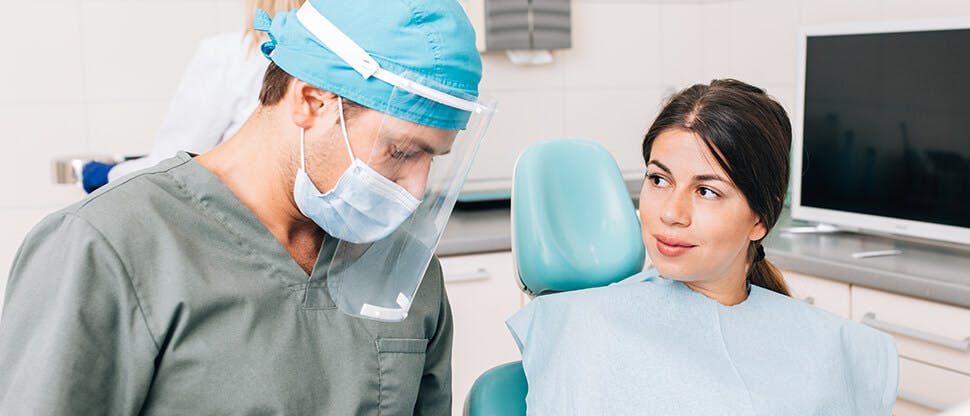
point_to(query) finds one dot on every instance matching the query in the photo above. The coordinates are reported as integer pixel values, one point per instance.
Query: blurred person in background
(217, 93)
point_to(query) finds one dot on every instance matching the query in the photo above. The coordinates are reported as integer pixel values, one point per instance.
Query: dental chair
(573, 227)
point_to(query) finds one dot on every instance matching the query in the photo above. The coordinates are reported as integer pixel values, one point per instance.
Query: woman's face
(696, 224)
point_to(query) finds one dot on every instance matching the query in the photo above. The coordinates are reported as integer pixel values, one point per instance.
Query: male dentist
(289, 271)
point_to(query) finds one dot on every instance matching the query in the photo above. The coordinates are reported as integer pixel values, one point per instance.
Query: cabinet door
(926, 390)
(483, 294)
(826, 294)
(925, 331)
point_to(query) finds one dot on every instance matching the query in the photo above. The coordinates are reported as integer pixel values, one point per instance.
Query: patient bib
(651, 346)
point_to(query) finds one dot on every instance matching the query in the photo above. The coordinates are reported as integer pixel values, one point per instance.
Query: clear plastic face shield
(379, 280)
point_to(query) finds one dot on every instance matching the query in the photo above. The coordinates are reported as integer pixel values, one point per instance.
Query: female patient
(711, 330)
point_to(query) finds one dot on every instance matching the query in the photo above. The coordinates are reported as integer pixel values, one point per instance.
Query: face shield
(429, 154)
(379, 280)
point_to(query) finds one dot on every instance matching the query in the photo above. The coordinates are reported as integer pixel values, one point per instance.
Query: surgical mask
(363, 207)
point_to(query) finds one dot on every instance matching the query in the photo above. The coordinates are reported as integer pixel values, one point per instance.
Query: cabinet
(933, 339)
(483, 294)
(925, 390)
(934, 347)
(925, 331)
(825, 294)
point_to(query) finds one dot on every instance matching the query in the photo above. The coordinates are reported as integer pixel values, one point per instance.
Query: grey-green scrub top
(165, 295)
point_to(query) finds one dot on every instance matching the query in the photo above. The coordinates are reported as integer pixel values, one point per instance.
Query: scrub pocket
(401, 368)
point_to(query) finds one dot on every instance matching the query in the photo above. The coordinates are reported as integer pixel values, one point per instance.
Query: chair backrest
(499, 391)
(573, 222)
(573, 227)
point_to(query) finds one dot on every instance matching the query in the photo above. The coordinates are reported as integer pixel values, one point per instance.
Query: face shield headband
(379, 280)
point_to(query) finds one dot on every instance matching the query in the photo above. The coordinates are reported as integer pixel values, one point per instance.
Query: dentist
(288, 271)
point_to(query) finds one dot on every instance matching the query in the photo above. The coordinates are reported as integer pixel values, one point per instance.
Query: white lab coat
(218, 92)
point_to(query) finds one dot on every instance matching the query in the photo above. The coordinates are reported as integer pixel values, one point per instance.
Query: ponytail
(764, 274)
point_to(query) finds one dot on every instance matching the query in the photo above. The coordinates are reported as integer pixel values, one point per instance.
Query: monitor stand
(820, 228)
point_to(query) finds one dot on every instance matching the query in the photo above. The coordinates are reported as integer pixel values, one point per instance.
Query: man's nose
(414, 179)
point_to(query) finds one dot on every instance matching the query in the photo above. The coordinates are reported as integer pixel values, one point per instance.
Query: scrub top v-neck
(163, 294)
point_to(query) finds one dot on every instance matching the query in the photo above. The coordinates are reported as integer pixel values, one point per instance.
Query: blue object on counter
(95, 175)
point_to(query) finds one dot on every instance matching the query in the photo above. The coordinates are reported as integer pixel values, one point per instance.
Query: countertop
(938, 272)
(925, 270)
(477, 231)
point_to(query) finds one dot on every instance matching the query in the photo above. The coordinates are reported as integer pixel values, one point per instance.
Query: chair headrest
(573, 221)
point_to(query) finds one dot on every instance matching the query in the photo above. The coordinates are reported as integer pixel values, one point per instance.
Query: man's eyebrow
(428, 149)
(418, 142)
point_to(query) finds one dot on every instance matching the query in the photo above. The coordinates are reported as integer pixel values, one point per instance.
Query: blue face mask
(363, 207)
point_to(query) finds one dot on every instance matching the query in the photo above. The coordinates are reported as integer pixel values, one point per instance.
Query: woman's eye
(658, 181)
(707, 193)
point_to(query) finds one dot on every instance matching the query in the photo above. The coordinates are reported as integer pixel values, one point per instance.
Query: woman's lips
(672, 247)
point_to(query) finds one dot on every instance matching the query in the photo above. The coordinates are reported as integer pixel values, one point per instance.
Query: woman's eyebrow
(709, 177)
(697, 178)
(659, 165)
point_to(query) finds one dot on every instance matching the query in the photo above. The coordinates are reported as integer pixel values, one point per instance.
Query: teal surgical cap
(418, 39)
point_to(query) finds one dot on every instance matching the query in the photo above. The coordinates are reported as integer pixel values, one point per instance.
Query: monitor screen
(886, 125)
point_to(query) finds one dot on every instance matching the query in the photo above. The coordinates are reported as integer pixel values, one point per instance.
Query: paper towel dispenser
(527, 24)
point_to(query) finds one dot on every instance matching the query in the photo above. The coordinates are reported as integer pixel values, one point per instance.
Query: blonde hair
(255, 38)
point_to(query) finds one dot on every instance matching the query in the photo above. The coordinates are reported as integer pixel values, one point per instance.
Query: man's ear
(307, 102)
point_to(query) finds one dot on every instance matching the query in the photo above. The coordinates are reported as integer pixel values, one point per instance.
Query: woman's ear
(307, 103)
(758, 231)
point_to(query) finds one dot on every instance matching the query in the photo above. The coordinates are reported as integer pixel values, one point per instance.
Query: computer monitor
(882, 128)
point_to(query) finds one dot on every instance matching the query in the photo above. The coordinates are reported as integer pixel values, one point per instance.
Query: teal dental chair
(573, 227)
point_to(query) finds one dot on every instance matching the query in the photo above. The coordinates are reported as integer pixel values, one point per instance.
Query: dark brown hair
(749, 134)
(275, 83)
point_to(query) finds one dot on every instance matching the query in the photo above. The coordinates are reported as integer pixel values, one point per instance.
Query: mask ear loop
(302, 157)
(343, 127)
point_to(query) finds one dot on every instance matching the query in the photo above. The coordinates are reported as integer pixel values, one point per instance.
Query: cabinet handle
(953, 344)
(919, 401)
(809, 300)
(480, 274)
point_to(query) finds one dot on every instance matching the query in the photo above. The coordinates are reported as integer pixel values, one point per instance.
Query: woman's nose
(676, 210)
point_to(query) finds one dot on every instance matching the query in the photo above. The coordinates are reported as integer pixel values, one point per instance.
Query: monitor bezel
(852, 220)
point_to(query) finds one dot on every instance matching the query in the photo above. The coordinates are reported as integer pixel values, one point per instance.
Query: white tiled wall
(629, 55)
(94, 76)
(86, 77)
